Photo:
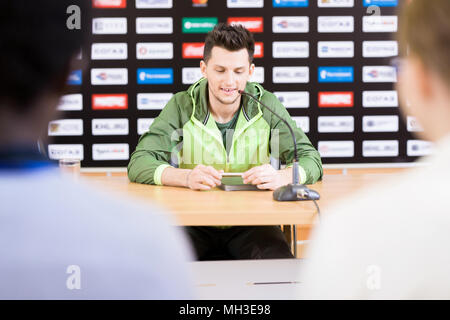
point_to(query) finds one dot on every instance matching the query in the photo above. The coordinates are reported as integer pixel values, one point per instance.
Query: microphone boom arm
(295, 168)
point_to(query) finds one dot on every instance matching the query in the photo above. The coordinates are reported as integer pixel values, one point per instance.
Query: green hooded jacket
(186, 135)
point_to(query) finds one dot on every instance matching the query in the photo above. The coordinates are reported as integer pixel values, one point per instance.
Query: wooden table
(216, 207)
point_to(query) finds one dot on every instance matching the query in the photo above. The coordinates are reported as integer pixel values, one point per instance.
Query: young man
(58, 239)
(393, 241)
(210, 129)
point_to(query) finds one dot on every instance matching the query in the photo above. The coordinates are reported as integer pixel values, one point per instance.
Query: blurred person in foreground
(393, 241)
(59, 239)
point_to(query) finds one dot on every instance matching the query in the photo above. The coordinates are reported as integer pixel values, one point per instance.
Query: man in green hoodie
(211, 129)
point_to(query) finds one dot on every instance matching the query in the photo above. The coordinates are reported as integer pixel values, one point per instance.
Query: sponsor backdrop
(332, 63)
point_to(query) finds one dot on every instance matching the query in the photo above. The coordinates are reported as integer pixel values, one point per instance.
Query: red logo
(109, 4)
(253, 24)
(336, 99)
(259, 50)
(192, 50)
(109, 101)
(199, 3)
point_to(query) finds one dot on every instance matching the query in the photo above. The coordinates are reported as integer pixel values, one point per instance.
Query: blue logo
(75, 78)
(381, 3)
(155, 76)
(290, 3)
(335, 74)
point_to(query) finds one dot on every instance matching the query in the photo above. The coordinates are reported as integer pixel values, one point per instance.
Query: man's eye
(221, 71)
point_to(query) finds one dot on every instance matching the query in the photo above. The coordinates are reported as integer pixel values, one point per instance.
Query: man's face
(227, 72)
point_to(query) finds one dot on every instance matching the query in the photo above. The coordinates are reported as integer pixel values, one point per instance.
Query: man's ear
(203, 68)
(251, 69)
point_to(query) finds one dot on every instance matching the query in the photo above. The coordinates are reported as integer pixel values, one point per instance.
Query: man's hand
(203, 178)
(266, 177)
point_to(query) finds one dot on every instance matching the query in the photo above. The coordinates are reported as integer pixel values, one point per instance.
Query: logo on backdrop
(293, 99)
(380, 148)
(109, 76)
(290, 24)
(380, 123)
(335, 3)
(289, 3)
(327, 124)
(335, 24)
(163, 25)
(380, 3)
(198, 25)
(192, 50)
(380, 23)
(379, 74)
(154, 50)
(199, 3)
(245, 3)
(253, 24)
(109, 51)
(290, 49)
(153, 4)
(71, 102)
(335, 49)
(66, 127)
(66, 151)
(110, 101)
(152, 101)
(109, 127)
(336, 149)
(290, 74)
(155, 76)
(109, 25)
(110, 4)
(110, 151)
(335, 74)
(335, 99)
(75, 78)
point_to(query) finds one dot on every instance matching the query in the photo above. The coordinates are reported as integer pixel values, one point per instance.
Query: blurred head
(36, 51)
(424, 81)
(227, 62)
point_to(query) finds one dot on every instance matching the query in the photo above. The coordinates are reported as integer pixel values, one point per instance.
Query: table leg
(294, 240)
(290, 233)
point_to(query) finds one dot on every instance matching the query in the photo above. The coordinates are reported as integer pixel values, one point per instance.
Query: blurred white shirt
(62, 240)
(388, 242)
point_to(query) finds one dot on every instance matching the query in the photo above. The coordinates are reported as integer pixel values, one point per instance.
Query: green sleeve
(154, 150)
(309, 157)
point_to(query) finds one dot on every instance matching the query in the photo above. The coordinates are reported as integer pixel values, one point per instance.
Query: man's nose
(229, 78)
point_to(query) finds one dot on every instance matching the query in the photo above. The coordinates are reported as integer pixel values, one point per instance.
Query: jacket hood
(198, 92)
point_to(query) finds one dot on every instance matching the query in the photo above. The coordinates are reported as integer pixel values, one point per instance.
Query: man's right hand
(203, 178)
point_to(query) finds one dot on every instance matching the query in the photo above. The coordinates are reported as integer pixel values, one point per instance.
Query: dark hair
(36, 47)
(232, 38)
(425, 32)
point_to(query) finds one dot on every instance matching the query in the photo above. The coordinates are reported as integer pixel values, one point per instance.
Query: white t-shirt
(63, 240)
(391, 241)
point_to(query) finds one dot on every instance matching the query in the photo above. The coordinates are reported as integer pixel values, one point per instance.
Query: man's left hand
(266, 177)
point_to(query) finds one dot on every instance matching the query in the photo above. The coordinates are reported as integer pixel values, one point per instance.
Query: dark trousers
(243, 242)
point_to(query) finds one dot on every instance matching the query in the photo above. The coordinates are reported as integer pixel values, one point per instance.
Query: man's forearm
(175, 177)
(178, 177)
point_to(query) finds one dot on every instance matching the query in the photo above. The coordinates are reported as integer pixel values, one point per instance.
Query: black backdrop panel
(350, 138)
